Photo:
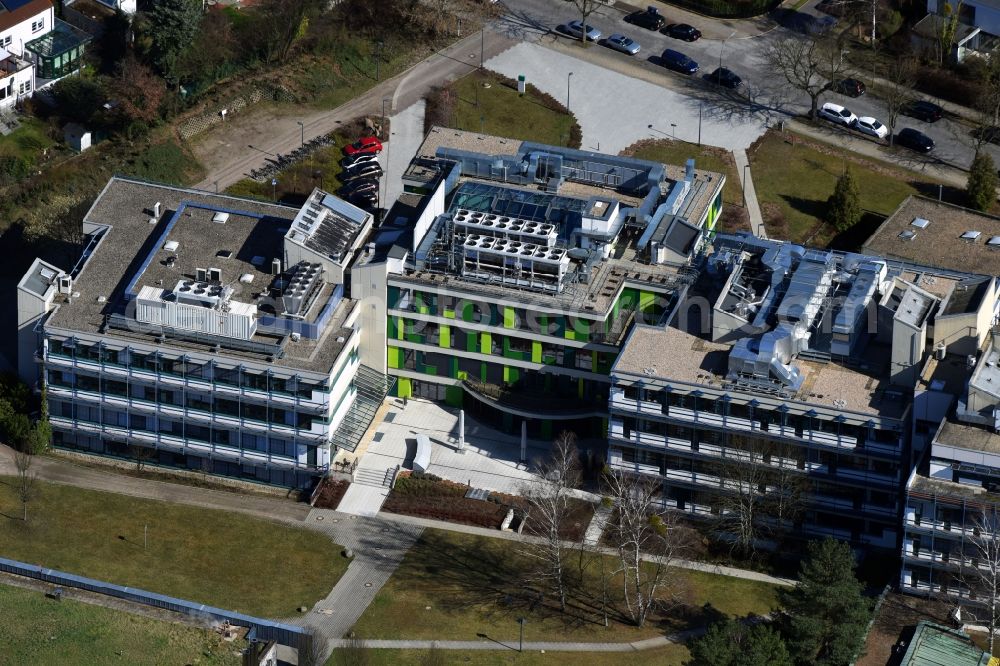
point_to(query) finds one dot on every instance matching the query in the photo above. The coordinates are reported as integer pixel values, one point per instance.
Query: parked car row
(651, 19)
(362, 172)
(907, 137)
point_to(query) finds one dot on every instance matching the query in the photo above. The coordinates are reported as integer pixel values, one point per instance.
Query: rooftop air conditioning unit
(276, 266)
(201, 275)
(65, 284)
(214, 275)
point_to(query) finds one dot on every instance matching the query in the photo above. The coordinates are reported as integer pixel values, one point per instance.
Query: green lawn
(165, 161)
(795, 177)
(222, 559)
(28, 140)
(709, 158)
(502, 112)
(452, 587)
(38, 630)
(672, 655)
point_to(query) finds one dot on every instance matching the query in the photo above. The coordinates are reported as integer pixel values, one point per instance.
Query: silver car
(576, 28)
(622, 43)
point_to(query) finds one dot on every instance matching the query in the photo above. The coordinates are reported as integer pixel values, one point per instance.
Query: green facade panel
(444, 336)
(536, 351)
(509, 317)
(453, 396)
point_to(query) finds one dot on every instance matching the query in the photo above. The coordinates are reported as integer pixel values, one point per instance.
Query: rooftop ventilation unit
(907, 234)
(920, 223)
(214, 275)
(994, 241)
(156, 209)
(65, 284)
(246, 278)
(201, 274)
(970, 236)
(304, 284)
(171, 246)
(220, 217)
(275, 266)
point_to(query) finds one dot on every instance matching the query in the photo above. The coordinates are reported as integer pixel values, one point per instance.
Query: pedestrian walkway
(377, 549)
(592, 536)
(366, 494)
(529, 646)
(749, 193)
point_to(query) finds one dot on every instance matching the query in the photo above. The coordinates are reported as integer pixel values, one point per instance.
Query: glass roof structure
(62, 38)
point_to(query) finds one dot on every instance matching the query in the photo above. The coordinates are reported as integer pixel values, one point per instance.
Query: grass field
(27, 141)
(222, 559)
(795, 177)
(672, 655)
(709, 158)
(165, 161)
(38, 630)
(499, 110)
(453, 587)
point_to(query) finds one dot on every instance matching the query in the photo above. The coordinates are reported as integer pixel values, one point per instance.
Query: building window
(5, 41)
(24, 88)
(38, 25)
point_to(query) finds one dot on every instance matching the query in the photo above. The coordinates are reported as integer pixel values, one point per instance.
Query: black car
(678, 62)
(725, 78)
(682, 31)
(651, 19)
(923, 110)
(371, 170)
(364, 199)
(361, 185)
(851, 87)
(914, 140)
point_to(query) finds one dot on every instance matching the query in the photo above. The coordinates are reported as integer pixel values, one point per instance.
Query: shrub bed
(330, 493)
(429, 496)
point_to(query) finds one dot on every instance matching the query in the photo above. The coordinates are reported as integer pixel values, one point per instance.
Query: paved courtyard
(490, 461)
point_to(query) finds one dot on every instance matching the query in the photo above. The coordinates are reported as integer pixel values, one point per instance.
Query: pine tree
(173, 25)
(982, 185)
(733, 643)
(828, 613)
(843, 208)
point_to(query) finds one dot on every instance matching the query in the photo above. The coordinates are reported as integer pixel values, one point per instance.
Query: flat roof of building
(133, 252)
(925, 485)
(669, 353)
(936, 239)
(964, 436)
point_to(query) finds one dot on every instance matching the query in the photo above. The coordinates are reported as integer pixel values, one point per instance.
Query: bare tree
(549, 507)
(987, 105)
(983, 577)
(647, 541)
(142, 454)
(585, 8)
(811, 64)
(26, 478)
(763, 488)
(897, 91)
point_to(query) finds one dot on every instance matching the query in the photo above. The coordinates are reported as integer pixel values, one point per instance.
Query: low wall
(260, 629)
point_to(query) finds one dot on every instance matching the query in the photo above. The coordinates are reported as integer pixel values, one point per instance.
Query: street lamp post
(482, 46)
(673, 132)
(723, 47)
(569, 77)
(520, 643)
(381, 128)
(745, 166)
(274, 189)
(302, 133)
(700, 108)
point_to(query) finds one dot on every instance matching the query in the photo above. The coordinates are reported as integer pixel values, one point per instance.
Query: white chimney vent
(65, 284)
(156, 209)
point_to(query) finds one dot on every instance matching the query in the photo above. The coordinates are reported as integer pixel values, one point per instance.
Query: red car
(366, 144)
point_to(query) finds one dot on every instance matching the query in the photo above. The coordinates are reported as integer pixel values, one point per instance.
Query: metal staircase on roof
(371, 388)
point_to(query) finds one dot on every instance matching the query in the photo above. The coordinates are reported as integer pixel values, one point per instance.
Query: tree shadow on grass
(490, 579)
